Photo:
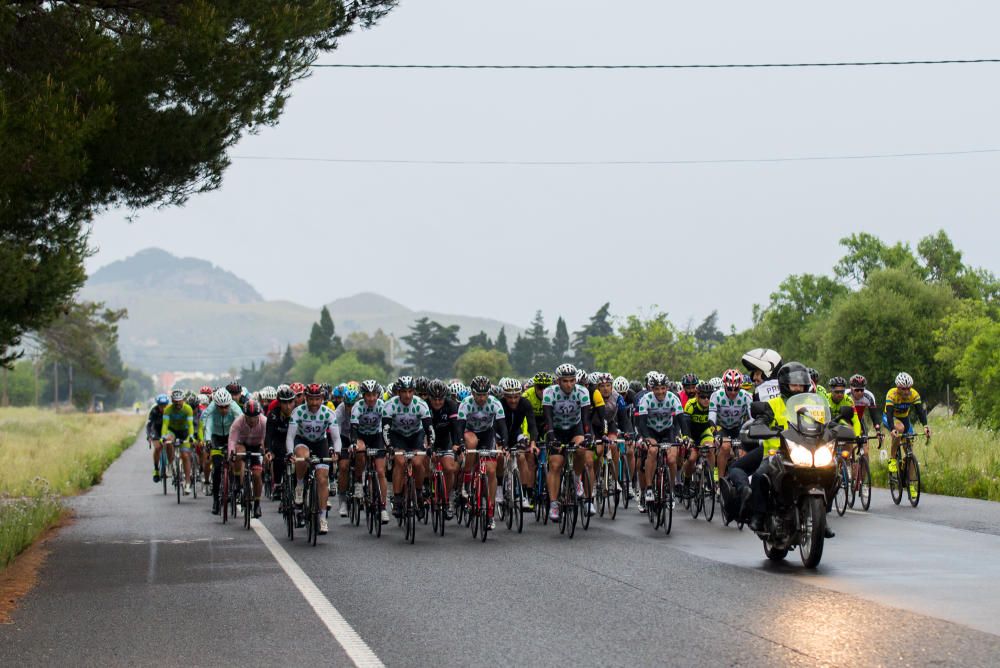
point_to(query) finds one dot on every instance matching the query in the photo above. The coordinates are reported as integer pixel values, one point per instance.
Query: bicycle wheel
(667, 505)
(505, 509)
(602, 485)
(175, 469)
(314, 511)
(163, 468)
(852, 483)
(913, 478)
(574, 510)
(473, 518)
(484, 507)
(695, 488)
(247, 496)
(865, 483)
(585, 500)
(377, 507)
(653, 507)
(708, 494)
(518, 505)
(896, 482)
(410, 510)
(625, 481)
(840, 496)
(196, 476)
(224, 499)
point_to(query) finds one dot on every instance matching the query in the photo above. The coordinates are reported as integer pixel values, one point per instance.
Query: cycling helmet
(268, 394)
(436, 389)
(233, 387)
(581, 377)
(542, 379)
(635, 386)
(705, 388)
(689, 379)
(222, 397)
(177, 395)
(675, 387)
(298, 388)
(337, 391)
(314, 390)
(350, 395)
(857, 380)
(620, 384)
(191, 399)
(455, 387)
(657, 379)
(251, 408)
(203, 399)
(715, 382)
(836, 381)
(814, 375)
(162, 400)
(650, 377)
(463, 392)
(594, 377)
(765, 360)
(353, 385)
(404, 383)
(369, 386)
(284, 393)
(510, 386)
(904, 380)
(480, 385)
(732, 379)
(421, 384)
(495, 391)
(566, 371)
(793, 373)
(205, 389)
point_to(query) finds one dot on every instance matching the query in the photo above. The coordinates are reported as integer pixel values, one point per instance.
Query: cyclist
(236, 392)
(837, 398)
(480, 418)
(864, 402)
(406, 426)
(566, 408)
(219, 417)
(656, 423)
(626, 410)
(819, 389)
(178, 427)
(521, 425)
(278, 419)
(695, 425)
(154, 427)
(606, 418)
(348, 397)
(900, 401)
(689, 385)
(366, 434)
(728, 409)
(447, 437)
(313, 431)
(247, 435)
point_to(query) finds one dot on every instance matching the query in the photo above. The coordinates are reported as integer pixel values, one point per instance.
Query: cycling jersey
(178, 421)
(405, 420)
(866, 403)
(835, 407)
(218, 423)
(365, 419)
(241, 433)
(312, 427)
(729, 413)
(566, 408)
(277, 430)
(480, 418)
(445, 423)
(695, 423)
(154, 423)
(520, 421)
(343, 415)
(535, 400)
(899, 408)
(657, 415)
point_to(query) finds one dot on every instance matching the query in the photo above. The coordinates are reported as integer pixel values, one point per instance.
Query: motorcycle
(802, 479)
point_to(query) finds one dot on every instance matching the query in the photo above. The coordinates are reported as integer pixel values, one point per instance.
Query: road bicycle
(479, 494)
(609, 490)
(907, 475)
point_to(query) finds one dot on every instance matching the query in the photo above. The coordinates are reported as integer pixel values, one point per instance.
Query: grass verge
(46, 455)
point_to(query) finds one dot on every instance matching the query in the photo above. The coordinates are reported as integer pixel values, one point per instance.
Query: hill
(213, 320)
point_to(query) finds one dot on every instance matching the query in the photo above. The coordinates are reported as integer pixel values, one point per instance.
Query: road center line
(356, 648)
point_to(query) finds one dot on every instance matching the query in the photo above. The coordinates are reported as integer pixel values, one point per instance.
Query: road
(138, 580)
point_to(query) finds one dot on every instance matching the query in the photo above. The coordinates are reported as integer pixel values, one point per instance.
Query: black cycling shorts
(565, 437)
(373, 443)
(412, 442)
(485, 439)
(729, 432)
(320, 448)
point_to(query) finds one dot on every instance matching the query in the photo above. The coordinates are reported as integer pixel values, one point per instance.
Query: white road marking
(356, 648)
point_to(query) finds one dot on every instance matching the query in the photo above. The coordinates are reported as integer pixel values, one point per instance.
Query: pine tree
(501, 343)
(560, 342)
(599, 325)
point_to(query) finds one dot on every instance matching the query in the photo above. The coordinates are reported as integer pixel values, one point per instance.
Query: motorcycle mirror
(842, 432)
(760, 432)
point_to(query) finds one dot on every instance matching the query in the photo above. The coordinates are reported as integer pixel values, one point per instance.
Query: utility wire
(616, 163)
(693, 66)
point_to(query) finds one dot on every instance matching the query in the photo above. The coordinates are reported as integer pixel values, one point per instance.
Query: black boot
(828, 532)
(757, 522)
(215, 507)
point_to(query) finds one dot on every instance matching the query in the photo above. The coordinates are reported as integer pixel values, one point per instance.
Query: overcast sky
(688, 238)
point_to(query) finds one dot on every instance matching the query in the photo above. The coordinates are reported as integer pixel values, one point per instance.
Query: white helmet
(904, 380)
(177, 394)
(203, 399)
(268, 394)
(716, 383)
(221, 397)
(765, 360)
(594, 377)
(566, 371)
(510, 386)
(620, 385)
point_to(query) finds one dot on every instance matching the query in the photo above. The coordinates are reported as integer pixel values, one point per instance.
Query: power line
(691, 66)
(616, 163)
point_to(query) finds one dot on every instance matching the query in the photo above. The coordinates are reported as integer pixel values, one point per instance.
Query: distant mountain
(152, 268)
(208, 319)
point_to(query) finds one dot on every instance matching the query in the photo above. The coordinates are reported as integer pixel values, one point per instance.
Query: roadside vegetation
(45, 456)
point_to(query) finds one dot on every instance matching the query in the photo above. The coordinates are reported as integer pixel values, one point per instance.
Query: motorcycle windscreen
(808, 414)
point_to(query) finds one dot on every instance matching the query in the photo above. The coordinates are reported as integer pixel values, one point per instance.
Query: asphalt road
(139, 580)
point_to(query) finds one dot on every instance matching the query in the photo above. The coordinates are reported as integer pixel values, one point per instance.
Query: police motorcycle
(802, 478)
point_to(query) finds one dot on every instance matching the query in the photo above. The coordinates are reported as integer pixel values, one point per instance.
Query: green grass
(46, 455)
(961, 460)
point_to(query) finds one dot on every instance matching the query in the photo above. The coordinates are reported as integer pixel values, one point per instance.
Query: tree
(522, 356)
(537, 341)
(867, 254)
(501, 343)
(644, 345)
(883, 329)
(480, 340)
(800, 299)
(599, 325)
(344, 368)
(479, 362)
(419, 342)
(323, 339)
(133, 104)
(286, 364)
(446, 349)
(560, 343)
(305, 368)
(979, 372)
(708, 333)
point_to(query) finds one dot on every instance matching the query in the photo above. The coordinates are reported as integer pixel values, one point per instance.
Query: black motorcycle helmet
(793, 373)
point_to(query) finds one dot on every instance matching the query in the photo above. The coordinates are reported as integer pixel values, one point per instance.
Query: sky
(505, 240)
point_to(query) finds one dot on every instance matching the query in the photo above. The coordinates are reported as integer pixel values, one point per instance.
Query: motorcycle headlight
(800, 456)
(823, 456)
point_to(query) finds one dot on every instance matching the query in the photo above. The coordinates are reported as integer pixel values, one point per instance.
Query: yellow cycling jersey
(898, 407)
